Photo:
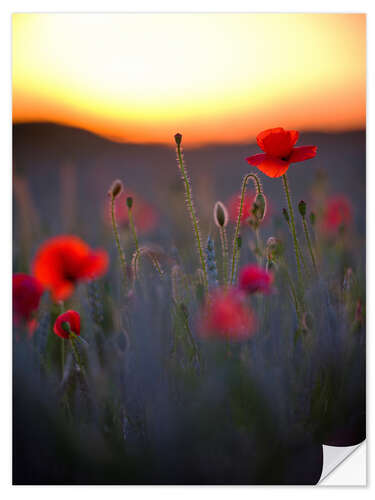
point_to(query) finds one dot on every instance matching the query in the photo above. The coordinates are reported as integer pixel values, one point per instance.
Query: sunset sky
(212, 77)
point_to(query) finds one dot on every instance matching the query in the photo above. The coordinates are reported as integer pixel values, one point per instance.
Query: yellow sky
(212, 77)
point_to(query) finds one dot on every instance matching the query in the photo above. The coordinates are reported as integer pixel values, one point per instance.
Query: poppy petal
(75, 321)
(273, 167)
(277, 141)
(256, 160)
(293, 134)
(95, 264)
(62, 290)
(302, 153)
(71, 317)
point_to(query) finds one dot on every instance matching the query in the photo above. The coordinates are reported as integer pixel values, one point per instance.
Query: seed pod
(302, 208)
(220, 214)
(260, 206)
(129, 202)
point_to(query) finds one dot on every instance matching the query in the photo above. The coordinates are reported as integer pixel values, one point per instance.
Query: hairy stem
(132, 227)
(118, 244)
(306, 231)
(224, 248)
(292, 226)
(192, 214)
(236, 233)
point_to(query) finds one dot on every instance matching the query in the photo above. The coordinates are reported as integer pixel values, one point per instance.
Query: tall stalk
(190, 205)
(235, 250)
(292, 226)
(113, 193)
(308, 240)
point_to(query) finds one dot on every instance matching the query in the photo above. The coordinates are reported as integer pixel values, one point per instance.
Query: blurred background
(100, 96)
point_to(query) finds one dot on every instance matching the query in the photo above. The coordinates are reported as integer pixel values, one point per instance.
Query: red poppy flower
(254, 279)
(233, 205)
(144, 215)
(74, 321)
(63, 261)
(279, 151)
(27, 292)
(226, 316)
(338, 212)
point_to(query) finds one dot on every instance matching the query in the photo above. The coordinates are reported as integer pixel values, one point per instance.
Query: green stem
(303, 262)
(224, 247)
(236, 233)
(292, 290)
(259, 249)
(118, 244)
(293, 227)
(62, 359)
(309, 243)
(76, 353)
(132, 226)
(192, 341)
(192, 214)
(237, 263)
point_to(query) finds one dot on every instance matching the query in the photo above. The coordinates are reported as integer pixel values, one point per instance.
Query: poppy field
(191, 325)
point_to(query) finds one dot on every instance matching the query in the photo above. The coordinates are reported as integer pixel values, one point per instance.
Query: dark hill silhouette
(40, 150)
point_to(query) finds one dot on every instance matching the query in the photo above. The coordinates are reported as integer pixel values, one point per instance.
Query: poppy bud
(220, 214)
(312, 218)
(178, 138)
(260, 206)
(129, 202)
(286, 215)
(302, 208)
(116, 188)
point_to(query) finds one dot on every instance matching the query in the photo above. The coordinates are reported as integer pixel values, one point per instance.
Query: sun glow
(213, 77)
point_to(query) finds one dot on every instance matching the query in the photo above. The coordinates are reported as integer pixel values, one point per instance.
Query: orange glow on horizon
(212, 77)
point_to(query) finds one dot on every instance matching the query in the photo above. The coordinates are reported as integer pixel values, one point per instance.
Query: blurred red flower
(226, 316)
(74, 321)
(279, 151)
(27, 292)
(254, 279)
(63, 261)
(338, 212)
(233, 205)
(145, 216)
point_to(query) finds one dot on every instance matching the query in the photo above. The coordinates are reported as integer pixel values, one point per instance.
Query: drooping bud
(302, 208)
(260, 206)
(178, 138)
(129, 202)
(286, 215)
(116, 188)
(312, 218)
(220, 214)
